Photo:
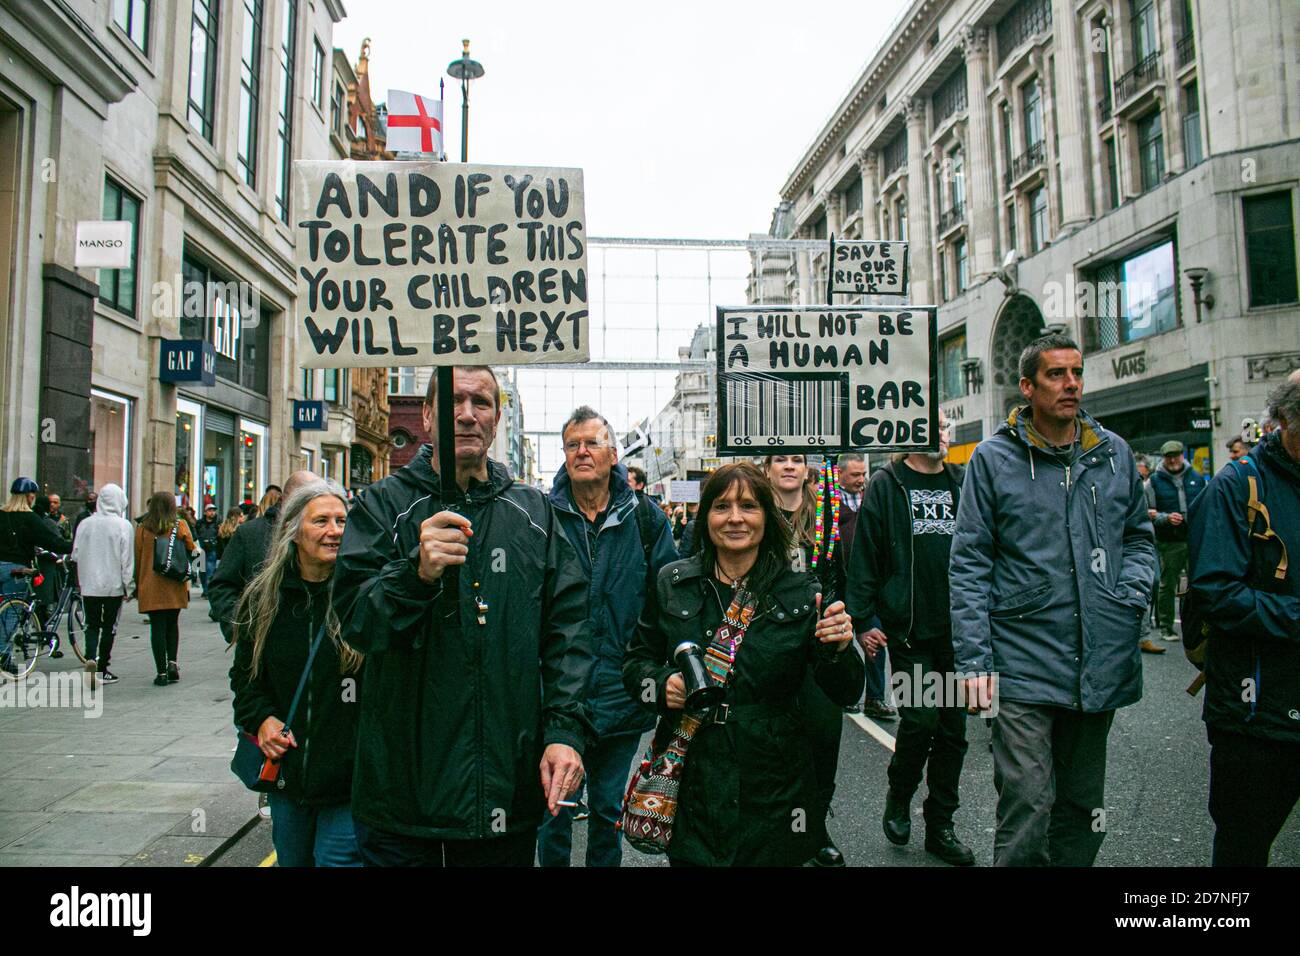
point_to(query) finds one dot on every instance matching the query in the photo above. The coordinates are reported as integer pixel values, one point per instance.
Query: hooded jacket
(1052, 568)
(318, 772)
(1254, 615)
(103, 549)
(456, 714)
(881, 584)
(1167, 493)
(615, 567)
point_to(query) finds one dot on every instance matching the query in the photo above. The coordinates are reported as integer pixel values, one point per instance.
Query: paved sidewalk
(147, 781)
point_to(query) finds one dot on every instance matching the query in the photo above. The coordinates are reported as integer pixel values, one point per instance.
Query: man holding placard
(473, 623)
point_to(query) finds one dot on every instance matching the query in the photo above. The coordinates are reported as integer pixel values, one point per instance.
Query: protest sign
(866, 267)
(826, 379)
(439, 264)
(684, 491)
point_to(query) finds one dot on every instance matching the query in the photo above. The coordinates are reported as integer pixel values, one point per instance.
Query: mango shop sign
(103, 245)
(309, 416)
(187, 360)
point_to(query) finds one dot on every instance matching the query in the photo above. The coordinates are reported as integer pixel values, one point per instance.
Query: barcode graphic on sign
(794, 410)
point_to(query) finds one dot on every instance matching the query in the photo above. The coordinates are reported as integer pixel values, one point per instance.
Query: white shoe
(263, 806)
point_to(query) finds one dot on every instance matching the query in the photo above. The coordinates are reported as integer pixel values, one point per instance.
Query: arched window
(1018, 324)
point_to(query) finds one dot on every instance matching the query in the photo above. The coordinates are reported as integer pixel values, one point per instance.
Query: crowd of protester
(481, 661)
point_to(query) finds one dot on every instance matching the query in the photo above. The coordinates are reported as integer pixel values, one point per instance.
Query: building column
(869, 170)
(833, 204)
(918, 206)
(981, 191)
(1071, 126)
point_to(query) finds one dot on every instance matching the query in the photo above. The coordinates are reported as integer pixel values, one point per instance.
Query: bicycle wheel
(77, 626)
(20, 633)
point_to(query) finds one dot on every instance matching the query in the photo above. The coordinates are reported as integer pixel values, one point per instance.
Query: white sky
(686, 119)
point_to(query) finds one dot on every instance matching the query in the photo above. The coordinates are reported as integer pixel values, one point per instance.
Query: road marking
(874, 730)
(269, 861)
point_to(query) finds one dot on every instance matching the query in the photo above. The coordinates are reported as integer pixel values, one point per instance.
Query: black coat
(22, 532)
(880, 587)
(747, 782)
(243, 555)
(456, 714)
(318, 772)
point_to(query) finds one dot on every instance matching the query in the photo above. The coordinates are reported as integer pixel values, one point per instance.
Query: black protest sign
(440, 264)
(866, 267)
(827, 379)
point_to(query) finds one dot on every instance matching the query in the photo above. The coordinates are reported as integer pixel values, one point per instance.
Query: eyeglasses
(595, 444)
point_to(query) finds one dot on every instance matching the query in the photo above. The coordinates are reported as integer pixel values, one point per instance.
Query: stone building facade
(183, 119)
(1123, 170)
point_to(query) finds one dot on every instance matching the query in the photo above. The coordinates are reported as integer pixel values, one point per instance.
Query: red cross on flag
(414, 123)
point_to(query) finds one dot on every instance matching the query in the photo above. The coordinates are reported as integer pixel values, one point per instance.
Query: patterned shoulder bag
(650, 804)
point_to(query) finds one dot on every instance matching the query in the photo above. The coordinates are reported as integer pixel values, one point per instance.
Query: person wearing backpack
(163, 597)
(1172, 489)
(623, 541)
(1244, 545)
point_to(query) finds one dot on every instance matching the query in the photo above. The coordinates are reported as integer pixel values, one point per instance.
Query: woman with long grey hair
(284, 609)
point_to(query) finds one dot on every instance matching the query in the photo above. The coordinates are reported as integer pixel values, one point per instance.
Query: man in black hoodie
(242, 559)
(898, 595)
(470, 606)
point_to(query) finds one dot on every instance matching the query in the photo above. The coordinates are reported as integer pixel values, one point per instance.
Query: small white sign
(103, 245)
(684, 491)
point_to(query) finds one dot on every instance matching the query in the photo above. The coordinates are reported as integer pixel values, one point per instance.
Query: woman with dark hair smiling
(745, 784)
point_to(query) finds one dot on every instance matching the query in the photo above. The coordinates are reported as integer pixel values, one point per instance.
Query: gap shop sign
(188, 360)
(309, 416)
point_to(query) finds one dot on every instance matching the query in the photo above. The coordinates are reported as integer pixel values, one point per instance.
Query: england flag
(414, 123)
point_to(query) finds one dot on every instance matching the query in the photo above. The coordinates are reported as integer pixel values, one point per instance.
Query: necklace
(828, 496)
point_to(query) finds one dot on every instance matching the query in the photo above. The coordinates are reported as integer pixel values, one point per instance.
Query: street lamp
(464, 70)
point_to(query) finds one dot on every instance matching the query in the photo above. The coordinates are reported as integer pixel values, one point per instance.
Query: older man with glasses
(622, 540)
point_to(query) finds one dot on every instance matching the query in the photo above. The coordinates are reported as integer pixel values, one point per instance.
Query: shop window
(110, 439)
(203, 67)
(117, 286)
(1133, 298)
(218, 310)
(133, 17)
(250, 83)
(1270, 248)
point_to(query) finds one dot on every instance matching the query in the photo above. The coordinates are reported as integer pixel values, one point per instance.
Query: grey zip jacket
(1052, 568)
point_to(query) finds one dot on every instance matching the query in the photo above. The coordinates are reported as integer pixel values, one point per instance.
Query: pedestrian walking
(284, 615)
(22, 531)
(1051, 572)
(234, 518)
(1174, 485)
(105, 559)
(162, 598)
(1242, 531)
(244, 554)
(898, 594)
(622, 541)
(208, 530)
(57, 515)
(86, 512)
(796, 499)
(474, 626)
(1151, 623)
(748, 789)
(852, 468)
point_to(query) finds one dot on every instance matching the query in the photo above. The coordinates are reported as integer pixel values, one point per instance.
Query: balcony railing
(1031, 158)
(1185, 51)
(952, 217)
(1142, 74)
(1104, 107)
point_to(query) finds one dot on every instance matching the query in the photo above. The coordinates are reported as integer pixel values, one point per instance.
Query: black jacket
(1252, 660)
(747, 780)
(243, 555)
(318, 772)
(456, 714)
(880, 587)
(22, 532)
(206, 535)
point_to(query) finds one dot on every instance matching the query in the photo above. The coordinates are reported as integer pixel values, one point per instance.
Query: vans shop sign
(440, 264)
(103, 245)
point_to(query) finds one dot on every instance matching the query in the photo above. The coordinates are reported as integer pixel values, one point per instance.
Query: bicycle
(21, 627)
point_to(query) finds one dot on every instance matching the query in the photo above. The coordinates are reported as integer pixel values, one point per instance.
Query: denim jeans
(608, 763)
(10, 586)
(312, 836)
